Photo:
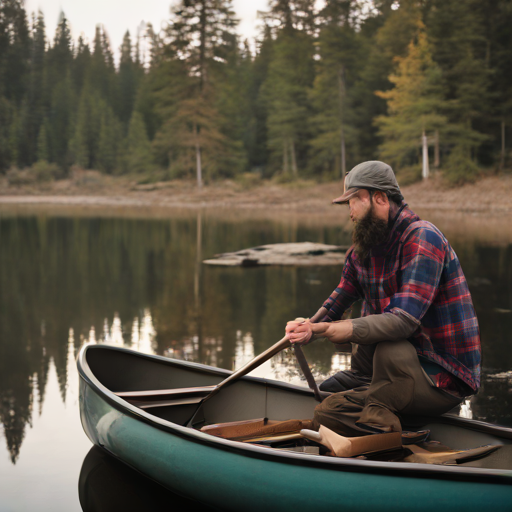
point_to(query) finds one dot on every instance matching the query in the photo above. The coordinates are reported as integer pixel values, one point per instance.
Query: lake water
(137, 280)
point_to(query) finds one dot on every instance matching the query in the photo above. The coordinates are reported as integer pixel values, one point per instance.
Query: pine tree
(332, 97)
(14, 50)
(5, 125)
(191, 138)
(457, 33)
(61, 120)
(37, 89)
(109, 139)
(416, 107)
(156, 46)
(85, 141)
(150, 83)
(496, 16)
(258, 154)
(43, 153)
(232, 88)
(14, 139)
(128, 79)
(81, 140)
(101, 74)
(137, 155)
(297, 14)
(81, 64)
(285, 91)
(170, 85)
(286, 94)
(62, 93)
(60, 55)
(145, 103)
(199, 36)
(304, 103)
(382, 37)
(200, 32)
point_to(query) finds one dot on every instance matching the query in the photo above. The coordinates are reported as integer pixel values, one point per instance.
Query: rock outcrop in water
(297, 254)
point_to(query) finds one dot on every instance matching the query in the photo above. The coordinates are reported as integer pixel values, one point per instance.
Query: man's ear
(381, 198)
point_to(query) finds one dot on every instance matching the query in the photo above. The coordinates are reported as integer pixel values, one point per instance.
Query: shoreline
(482, 210)
(488, 195)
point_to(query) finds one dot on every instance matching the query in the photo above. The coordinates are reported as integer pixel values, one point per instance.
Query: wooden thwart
(151, 398)
(257, 429)
(273, 439)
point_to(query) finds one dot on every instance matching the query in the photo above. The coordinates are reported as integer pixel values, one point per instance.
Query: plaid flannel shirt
(416, 273)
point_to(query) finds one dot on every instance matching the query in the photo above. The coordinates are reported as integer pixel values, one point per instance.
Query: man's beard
(369, 232)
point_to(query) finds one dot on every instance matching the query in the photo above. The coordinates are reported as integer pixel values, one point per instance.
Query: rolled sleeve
(384, 327)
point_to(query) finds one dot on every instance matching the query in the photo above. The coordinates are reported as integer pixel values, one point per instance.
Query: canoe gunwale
(414, 470)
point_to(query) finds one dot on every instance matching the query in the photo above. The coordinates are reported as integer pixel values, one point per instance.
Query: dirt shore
(480, 211)
(492, 195)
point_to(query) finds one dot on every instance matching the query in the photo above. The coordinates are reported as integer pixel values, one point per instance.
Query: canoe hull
(234, 479)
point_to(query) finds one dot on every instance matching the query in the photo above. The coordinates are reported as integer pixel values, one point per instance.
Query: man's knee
(321, 414)
(326, 407)
(339, 403)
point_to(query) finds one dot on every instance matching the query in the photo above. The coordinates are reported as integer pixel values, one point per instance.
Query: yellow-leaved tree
(416, 107)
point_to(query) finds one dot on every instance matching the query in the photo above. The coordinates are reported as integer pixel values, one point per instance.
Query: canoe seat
(151, 398)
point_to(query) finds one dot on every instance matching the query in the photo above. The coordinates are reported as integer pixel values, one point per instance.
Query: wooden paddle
(244, 370)
(251, 365)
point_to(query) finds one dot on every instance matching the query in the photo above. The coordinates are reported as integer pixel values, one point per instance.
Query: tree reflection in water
(140, 283)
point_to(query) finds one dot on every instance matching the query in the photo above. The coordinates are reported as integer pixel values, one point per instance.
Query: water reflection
(340, 362)
(465, 409)
(107, 485)
(140, 283)
(244, 350)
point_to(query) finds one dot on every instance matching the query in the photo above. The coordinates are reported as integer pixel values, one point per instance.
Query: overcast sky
(117, 16)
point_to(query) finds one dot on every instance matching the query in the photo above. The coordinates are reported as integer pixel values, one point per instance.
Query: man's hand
(299, 331)
(302, 331)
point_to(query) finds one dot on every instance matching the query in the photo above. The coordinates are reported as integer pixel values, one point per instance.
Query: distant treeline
(323, 90)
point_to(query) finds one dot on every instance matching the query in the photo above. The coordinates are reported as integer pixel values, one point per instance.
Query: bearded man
(418, 341)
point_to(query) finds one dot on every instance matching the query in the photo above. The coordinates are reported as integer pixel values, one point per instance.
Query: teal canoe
(137, 407)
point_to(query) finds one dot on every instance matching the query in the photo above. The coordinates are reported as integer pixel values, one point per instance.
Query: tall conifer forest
(320, 90)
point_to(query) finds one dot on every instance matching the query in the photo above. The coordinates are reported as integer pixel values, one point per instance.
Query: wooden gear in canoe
(154, 438)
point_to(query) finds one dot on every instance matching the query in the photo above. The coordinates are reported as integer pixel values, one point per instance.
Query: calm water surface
(140, 283)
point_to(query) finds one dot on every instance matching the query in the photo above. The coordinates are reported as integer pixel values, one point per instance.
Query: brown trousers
(399, 386)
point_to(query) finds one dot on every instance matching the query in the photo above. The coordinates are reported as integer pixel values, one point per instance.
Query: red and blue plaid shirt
(416, 273)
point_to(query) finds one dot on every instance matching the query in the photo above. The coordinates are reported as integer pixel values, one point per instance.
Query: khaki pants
(398, 386)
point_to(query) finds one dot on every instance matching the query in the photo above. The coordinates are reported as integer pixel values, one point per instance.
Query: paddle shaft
(259, 360)
(304, 366)
(244, 370)
(251, 365)
(306, 370)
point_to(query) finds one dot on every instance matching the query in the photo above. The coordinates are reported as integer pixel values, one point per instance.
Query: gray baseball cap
(373, 174)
